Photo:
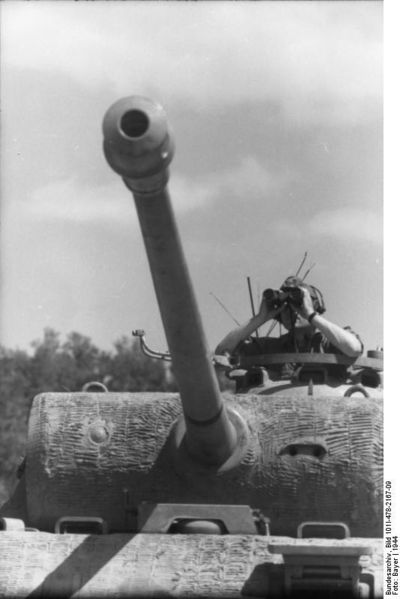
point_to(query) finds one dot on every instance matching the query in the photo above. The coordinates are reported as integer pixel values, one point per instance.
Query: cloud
(349, 224)
(315, 61)
(340, 225)
(68, 201)
(249, 178)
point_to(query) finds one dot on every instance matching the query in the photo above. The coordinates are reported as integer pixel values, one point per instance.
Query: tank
(272, 491)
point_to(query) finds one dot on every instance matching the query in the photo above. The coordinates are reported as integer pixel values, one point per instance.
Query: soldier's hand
(267, 312)
(307, 306)
(222, 362)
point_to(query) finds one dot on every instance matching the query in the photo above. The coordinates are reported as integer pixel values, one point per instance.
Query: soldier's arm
(231, 341)
(343, 339)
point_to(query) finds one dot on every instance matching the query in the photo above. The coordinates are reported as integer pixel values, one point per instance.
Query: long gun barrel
(138, 145)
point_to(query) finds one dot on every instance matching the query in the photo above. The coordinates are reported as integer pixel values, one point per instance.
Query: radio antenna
(301, 264)
(224, 308)
(311, 267)
(251, 301)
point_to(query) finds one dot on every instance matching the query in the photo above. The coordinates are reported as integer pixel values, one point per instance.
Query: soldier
(298, 307)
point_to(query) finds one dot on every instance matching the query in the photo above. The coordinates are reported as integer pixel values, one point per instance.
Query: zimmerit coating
(69, 473)
(124, 565)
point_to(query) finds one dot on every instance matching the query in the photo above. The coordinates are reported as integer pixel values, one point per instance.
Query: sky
(277, 114)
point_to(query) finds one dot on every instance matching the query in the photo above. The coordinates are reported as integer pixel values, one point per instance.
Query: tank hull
(152, 565)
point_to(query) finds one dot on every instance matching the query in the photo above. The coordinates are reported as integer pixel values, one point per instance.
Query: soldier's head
(290, 316)
(292, 281)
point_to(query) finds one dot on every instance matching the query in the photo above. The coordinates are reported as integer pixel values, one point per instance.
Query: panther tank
(272, 491)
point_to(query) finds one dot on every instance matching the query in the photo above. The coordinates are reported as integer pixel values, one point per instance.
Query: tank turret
(135, 494)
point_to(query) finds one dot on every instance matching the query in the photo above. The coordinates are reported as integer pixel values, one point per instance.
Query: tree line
(60, 366)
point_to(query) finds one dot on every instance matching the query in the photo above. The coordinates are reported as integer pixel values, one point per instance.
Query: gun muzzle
(138, 146)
